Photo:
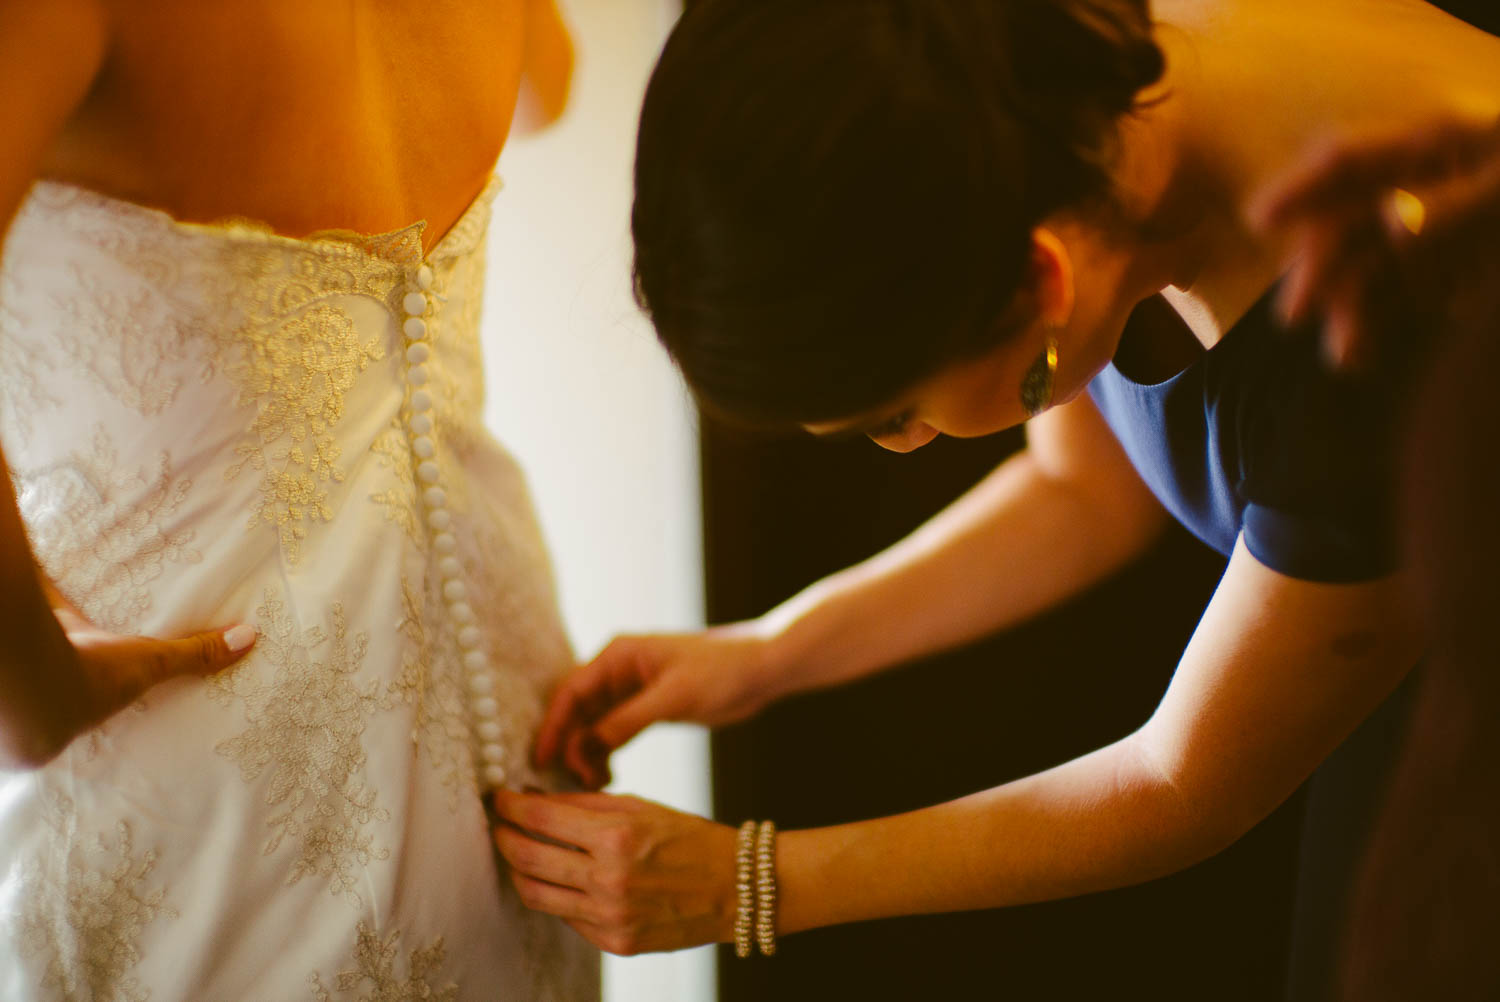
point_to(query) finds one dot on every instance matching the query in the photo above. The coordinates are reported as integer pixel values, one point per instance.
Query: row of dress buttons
(419, 427)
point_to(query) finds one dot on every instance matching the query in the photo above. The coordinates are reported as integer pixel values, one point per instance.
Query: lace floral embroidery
(297, 373)
(400, 499)
(132, 348)
(306, 725)
(23, 386)
(374, 974)
(430, 682)
(87, 915)
(105, 536)
(459, 385)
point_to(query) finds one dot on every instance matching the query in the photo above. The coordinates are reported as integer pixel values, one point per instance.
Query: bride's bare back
(364, 115)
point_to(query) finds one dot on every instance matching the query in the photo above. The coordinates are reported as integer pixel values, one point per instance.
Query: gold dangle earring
(1040, 380)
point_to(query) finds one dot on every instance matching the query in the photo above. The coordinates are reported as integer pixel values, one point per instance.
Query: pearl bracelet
(755, 858)
(765, 888)
(744, 917)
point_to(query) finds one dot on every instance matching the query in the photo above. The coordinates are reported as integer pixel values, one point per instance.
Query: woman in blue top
(906, 218)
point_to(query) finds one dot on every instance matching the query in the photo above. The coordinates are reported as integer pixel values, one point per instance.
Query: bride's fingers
(121, 668)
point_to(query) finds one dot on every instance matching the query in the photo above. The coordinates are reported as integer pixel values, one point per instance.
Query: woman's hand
(715, 677)
(101, 673)
(1390, 237)
(634, 877)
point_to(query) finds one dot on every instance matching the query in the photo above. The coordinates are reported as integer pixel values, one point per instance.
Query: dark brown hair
(834, 198)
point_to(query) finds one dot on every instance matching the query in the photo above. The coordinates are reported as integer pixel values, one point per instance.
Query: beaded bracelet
(765, 888)
(744, 917)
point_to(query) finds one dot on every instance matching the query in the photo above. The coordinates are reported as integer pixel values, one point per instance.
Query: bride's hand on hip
(716, 677)
(636, 877)
(108, 672)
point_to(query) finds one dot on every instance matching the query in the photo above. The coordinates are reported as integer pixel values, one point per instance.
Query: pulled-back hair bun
(834, 198)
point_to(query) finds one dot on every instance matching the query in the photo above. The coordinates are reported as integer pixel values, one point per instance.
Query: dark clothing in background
(1258, 438)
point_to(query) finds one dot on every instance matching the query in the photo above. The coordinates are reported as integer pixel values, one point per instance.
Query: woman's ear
(1051, 277)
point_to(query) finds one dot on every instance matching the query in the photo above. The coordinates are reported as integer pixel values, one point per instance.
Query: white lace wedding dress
(216, 424)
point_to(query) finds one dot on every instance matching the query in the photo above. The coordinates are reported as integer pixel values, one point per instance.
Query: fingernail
(237, 638)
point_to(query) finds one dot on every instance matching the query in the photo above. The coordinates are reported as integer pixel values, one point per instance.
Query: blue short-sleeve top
(1258, 437)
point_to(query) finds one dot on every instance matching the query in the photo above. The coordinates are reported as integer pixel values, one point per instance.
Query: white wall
(580, 391)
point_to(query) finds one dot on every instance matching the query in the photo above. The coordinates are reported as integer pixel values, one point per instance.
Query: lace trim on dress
(304, 736)
(402, 247)
(374, 974)
(87, 911)
(100, 532)
(297, 373)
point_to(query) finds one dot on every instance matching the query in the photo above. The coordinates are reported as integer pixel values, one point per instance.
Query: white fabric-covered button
(439, 518)
(461, 613)
(415, 328)
(416, 354)
(415, 304)
(449, 567)
(487, 708)
(488, 730)
(481, 683)
(444, 542)
(423, 447)
(492, 753)
(421, 401)
(424, 278)
(435, 497)
(494, 775)
(476, 660)
(469, 636)
(429, 472)
(417, 375)
(420, 424)
(454, 590)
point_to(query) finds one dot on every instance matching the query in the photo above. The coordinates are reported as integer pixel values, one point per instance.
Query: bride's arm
(546, 67)
(49, 55)
(58, 674)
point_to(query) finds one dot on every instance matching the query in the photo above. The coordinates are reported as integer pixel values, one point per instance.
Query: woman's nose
(913, 436)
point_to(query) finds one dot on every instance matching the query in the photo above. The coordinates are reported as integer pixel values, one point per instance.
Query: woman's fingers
(587, 694)
(119, 669)
(538, 895)
(555, 864)
(642, 876)
(1347, 172)
(652, 704)
(561, 716)
(552, 817)
(587, 758)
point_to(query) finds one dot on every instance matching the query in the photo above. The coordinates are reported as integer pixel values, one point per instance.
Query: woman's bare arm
(1045, 525)
(1049, 522)
(1277, 674)
(49, 55)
